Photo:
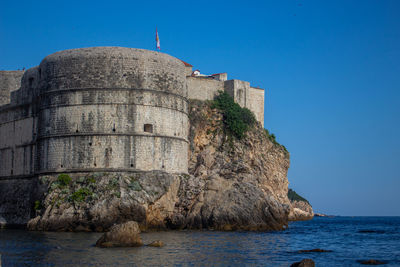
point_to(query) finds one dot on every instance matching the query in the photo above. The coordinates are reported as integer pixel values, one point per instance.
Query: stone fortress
(105, 109)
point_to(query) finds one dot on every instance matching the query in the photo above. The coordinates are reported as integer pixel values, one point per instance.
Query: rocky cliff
(232, 184)
(300, 208)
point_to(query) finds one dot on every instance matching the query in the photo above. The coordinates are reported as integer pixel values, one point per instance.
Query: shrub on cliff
(237, 120)
(272, 138)
(81, 194)
(64, 179)
(293, 196)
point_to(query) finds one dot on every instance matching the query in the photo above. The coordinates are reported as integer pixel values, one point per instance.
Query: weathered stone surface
(121, 235)
(97, 201)
(300, 211)
(235, 184)
(16, 198)
(304, 263)
(9, 81)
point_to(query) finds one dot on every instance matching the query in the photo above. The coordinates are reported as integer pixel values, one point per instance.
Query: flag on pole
(157, 41)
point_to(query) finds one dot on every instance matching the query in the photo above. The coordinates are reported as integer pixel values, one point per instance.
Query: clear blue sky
(331, 70)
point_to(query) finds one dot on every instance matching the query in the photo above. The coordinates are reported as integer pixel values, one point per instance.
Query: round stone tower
(112, 109)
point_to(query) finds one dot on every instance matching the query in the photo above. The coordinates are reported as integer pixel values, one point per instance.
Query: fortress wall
(95, 119)
(29, 88)
(9, 81)
(113, 67)
(165, 154)
(256, 103)
(107, 134)
(239, 90)
(17, 133)
(102, 153)
(203, 88)
(126, 111)
(112, 119)
(16, 200)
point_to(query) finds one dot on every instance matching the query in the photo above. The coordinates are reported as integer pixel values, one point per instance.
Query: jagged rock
(121, 235)
(157, 244)
(300, 211)
(300, 208)
(304, 263)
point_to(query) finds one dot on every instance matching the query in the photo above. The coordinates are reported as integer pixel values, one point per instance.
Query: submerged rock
(372, 262)
(304, 263)
(121, 235)
(314, 250)
(157, 244)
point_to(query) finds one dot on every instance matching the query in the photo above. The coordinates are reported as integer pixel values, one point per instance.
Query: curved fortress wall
(112, 108)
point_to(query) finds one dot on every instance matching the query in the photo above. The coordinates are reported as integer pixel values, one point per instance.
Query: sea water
(349, 238)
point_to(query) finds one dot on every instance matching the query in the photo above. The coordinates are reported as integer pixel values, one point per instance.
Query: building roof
(186, 64)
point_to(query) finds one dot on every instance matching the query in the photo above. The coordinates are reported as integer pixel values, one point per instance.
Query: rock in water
(314, 250)
(372, 262)
(157, 244)
(304, 263)
(121, 235)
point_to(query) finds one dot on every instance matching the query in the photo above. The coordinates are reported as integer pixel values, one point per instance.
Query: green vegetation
(38, 205)
(134, 185)
(91, 180)
(272, 138)
(113, 183)
(64, 179)
(237, 120)
(292, 195)
(81, 194)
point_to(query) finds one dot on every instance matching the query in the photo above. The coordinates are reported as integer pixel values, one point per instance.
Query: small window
(148, 128)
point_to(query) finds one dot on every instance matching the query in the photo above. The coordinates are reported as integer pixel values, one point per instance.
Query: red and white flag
(157, 41)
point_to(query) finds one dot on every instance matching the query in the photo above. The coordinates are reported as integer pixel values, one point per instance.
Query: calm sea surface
(350, 239)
